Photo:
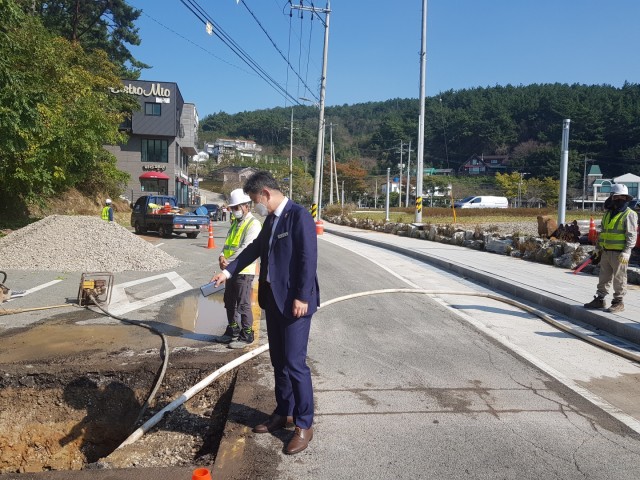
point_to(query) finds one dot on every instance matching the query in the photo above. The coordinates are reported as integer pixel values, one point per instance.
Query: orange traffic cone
(319, 227)
(201, 474)
(593, 233)
(212, 243)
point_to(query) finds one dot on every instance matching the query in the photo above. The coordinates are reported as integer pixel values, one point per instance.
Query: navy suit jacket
(292, 261)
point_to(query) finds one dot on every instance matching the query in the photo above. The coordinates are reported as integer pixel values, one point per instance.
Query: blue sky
(374, 48)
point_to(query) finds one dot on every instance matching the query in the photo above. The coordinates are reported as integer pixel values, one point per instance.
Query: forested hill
(524, 122)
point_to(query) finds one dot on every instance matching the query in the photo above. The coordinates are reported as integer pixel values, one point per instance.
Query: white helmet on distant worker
(620, 190)
(238, 197)
(108, 201)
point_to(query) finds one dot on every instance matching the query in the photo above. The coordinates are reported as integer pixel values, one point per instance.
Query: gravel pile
(80, 244)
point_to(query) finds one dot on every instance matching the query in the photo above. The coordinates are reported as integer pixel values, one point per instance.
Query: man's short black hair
(259, 180)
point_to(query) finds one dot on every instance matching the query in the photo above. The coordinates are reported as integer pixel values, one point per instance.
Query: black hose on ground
(164, 354)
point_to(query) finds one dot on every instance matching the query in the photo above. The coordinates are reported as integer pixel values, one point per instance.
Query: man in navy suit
(289, 294)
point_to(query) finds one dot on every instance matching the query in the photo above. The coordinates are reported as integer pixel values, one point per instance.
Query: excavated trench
(72, 421)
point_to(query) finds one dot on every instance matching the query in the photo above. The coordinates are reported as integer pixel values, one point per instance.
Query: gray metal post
(331, 164)
(564, 166)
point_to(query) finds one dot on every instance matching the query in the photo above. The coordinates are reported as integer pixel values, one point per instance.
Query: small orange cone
(201, 474)
(212, 243)
(593, 233)
(319, 227)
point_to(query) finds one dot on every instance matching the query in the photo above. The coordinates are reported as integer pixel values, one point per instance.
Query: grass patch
(473, 217)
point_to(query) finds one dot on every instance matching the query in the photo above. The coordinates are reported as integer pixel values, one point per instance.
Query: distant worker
(237, 295)
(224, 213)
(617, 237)
(107, 211)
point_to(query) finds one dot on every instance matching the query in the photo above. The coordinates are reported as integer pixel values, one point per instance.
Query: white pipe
(191, 392)
(253, 353)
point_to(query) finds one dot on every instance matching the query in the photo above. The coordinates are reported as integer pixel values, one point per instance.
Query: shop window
(154, 109)
(155, 150)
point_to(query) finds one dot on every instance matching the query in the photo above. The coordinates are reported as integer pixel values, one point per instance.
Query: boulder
(546, 226)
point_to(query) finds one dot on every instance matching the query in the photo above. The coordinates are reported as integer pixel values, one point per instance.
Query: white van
(482, 202)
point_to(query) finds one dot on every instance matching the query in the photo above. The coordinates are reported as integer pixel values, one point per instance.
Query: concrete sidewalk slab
(544, 285)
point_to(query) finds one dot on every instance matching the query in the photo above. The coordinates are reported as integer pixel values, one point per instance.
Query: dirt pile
(80, 244)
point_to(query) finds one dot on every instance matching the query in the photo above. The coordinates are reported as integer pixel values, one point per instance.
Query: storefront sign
(156, 90)
(153, 168)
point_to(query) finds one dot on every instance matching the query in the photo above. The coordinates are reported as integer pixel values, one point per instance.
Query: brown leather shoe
(275, 422)
(300, 440)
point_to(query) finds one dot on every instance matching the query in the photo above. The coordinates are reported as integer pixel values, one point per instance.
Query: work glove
(623, 258)
(595, 256)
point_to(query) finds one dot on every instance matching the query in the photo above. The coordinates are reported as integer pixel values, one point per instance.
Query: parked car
(482, 201)
(214, 210)
(634, 205)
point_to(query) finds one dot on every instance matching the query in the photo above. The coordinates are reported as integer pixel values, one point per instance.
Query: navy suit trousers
(288, 340)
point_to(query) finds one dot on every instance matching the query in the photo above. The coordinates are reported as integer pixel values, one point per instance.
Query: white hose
(191, 392)
(253, 353)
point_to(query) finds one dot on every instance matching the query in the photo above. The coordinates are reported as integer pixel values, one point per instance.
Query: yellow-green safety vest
(234, 238)
(105, 213)
(614, 231)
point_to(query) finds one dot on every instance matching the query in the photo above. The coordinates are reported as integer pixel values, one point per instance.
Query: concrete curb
(619, 327)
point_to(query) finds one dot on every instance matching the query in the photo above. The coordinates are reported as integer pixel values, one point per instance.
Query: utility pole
(386, 217)
(406, 202)
(331, 164)
(584, 179)
(423, 70)
(400, 183)
(375, 196)
(291, 158)
(323, 85)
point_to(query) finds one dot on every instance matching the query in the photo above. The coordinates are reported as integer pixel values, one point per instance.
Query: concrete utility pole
(323, 86)
(400, 183)
(386, 217)
(406, 202)
(291, 158)
(564, 167)
(423, 70)
(584, 178)
(331, 164)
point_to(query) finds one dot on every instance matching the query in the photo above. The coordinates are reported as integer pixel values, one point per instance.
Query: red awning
(154, 175)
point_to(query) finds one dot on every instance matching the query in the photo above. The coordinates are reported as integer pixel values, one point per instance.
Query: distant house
(228, 149)
(233, 175)
(485, 165)
(598, 189)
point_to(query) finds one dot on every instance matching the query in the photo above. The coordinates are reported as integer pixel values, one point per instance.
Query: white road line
(158, 244)
(120, 303)
(40, 287)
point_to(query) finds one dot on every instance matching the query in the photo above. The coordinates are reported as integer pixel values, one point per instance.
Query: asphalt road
(408, 387)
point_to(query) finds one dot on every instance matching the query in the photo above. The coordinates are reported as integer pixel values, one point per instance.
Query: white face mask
(238, 214)
(261, 209)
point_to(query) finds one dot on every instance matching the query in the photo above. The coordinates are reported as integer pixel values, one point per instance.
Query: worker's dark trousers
(237, 299)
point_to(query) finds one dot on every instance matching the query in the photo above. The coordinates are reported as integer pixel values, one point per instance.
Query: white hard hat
(108, 201)
(620, 189)
(238, 197)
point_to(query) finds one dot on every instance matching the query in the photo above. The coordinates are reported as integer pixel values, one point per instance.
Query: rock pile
(65, 243)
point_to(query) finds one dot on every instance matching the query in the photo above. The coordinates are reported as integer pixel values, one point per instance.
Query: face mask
(618, 204)
(261, 209)
(238, 214)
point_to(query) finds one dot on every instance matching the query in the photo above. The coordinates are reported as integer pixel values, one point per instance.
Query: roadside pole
(564, 166)
(386, 218)
(423, 69)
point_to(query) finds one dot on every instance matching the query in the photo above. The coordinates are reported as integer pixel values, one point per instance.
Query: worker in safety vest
(237, 295)
(107, 211)
(617, 237)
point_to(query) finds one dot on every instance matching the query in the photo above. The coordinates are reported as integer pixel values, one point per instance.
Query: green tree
(510, 184)
(56, 113)
(106, 25)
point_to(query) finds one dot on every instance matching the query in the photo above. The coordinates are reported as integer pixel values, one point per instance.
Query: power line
(205, 18)
(276, 47)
